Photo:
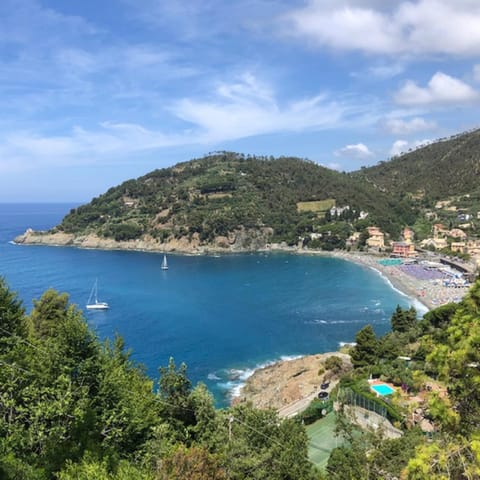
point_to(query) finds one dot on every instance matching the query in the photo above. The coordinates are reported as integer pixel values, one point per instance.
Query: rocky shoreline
(288, 386)
(240, 241)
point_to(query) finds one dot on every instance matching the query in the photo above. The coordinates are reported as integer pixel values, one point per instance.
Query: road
(298, 406)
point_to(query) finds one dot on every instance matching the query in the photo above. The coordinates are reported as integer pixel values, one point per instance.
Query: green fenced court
(322, 440)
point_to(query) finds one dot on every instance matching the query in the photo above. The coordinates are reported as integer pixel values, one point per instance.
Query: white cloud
(442, 89)
(243, 108)
(27, 149)
(398, 147)
(403, 146)
(246, 108)
(398, 126)
(347, 27)
(386, 71)
(358, 150)
(406, 27)
(332, 166)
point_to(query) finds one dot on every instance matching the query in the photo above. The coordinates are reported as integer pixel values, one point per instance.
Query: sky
(93, 93)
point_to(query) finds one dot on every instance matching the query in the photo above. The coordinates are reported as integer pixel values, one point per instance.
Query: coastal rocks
(289, 381)
(45, 238)
(241, 240)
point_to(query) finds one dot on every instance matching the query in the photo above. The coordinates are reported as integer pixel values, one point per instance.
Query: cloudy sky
(95, 92)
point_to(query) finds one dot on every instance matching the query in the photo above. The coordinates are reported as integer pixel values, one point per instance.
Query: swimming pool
(382, 389)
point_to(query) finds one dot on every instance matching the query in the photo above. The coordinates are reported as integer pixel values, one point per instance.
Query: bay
(223, 316)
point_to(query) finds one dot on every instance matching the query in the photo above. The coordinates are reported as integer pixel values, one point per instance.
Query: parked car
(323, 395)
(325, 385)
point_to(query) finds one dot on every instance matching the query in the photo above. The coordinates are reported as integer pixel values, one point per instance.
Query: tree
(347, 463)
(48, 312)
(334, 364)
(366, 350)
(174, 389)
(194, 463)
(403, 320)
(12, 316)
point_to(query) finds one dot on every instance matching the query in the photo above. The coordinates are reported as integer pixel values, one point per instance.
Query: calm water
(221, 316)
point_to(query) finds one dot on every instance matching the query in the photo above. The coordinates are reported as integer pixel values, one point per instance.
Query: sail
(164, 263)
(93, 303)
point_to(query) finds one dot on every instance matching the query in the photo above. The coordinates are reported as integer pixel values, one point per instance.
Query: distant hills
(227, 198)
(442, 169)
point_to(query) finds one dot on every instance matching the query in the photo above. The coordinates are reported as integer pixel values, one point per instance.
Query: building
(439, 230)
(408, 235)
(353, 239)
(458, 247)
(403, 249)
(473, 248)
(436, 243)
(457, 233)
(376, 238)
(337, 211)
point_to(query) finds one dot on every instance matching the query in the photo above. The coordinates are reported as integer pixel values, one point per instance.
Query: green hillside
(224, 192)
(446, 168)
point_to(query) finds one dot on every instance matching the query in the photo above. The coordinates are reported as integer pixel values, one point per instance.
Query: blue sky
(95, 92)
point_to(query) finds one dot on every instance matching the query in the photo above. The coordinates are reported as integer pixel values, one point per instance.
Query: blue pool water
(383, 389)
(222, 316)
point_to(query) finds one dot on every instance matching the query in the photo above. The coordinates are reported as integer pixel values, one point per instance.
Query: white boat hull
(98, 306)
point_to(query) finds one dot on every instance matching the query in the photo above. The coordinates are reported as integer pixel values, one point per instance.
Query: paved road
(296, 407)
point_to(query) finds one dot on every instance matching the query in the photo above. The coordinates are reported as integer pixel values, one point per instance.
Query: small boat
(93, 303)
(164, 263)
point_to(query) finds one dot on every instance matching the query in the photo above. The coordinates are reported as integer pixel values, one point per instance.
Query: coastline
(288, 386)
(425, 295)
(293, 395)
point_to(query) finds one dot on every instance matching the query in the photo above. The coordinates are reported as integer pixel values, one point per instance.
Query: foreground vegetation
(437, 359)
(72, 407)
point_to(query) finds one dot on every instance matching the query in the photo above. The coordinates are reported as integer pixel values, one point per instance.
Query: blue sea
(223, 316)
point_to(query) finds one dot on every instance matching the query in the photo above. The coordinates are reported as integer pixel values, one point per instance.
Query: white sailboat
(93, 303)
(164, 263)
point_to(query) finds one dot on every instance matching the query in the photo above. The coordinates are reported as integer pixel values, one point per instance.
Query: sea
(223, 316)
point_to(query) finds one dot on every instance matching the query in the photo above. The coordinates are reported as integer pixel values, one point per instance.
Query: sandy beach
(428, 293)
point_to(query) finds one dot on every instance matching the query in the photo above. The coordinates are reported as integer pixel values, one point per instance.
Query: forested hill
(436, 171)
(213, 196)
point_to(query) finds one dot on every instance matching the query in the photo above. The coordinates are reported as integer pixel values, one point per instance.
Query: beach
(427, 293)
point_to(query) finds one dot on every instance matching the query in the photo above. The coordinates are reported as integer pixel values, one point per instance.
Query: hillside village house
(407, 235)
(457, 233)
(439, 230)
(458, 247)
(353, 239)
(403, 249)
(436, 243)
(376, 238)
(473, 249)
(406, 248)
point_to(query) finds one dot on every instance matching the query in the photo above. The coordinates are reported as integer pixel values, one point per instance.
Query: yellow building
(408, 235)
(376, 238)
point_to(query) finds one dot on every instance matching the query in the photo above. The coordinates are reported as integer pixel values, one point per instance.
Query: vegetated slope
(224, 192)
(436, 171)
